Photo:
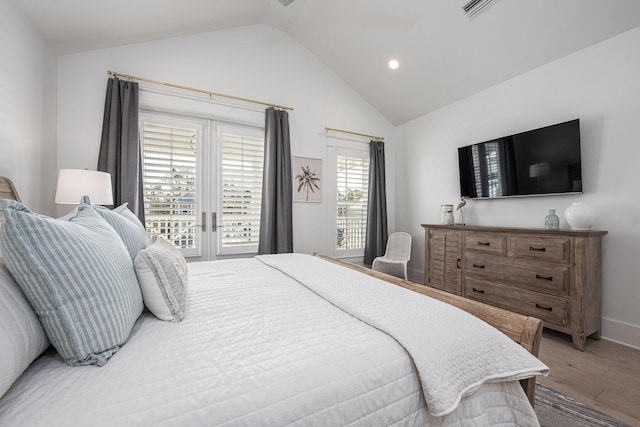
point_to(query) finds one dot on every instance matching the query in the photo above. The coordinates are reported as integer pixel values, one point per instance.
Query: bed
(285, 340)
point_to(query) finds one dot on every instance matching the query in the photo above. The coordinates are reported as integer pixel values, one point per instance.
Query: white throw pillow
(162, 274)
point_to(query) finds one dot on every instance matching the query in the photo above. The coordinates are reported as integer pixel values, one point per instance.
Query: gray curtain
(377, 234)
(120, 145)
(276, 225)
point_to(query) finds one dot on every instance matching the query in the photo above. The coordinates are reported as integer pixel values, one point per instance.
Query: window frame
(253, 132)
(173, 120)
(352, 152)
(209, 178)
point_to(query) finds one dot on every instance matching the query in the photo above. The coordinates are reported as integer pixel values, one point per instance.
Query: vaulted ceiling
(444, 55)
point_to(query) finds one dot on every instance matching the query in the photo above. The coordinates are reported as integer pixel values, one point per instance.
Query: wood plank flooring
(605, 376)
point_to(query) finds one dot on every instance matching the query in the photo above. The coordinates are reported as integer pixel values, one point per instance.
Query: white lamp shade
(75, 183)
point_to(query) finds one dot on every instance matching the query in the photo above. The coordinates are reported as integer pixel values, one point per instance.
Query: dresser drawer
(548, 308)
(545, 277)
(547, 248)
(495, 244)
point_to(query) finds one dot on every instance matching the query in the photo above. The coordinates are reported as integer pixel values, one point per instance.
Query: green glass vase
(551, 221)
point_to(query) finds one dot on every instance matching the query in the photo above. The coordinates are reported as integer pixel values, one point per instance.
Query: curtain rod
(206, 92)
(379, 138)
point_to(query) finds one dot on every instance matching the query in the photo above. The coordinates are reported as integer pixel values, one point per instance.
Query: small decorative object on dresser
(553, 275)
(461, 205)
(580, 216)
(447, 214)
(551, 221)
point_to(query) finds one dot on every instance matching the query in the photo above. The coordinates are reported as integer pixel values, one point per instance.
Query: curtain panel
(120, 149)
(276, 224)
(377, 233)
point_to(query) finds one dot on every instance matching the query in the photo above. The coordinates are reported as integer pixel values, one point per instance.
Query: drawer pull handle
(480, 291)
(478, 266)
(550, 278)
(531, 248)
(542, 307)
(458, 263)
(484, 244)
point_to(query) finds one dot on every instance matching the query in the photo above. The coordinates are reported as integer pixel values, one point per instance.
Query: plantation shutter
(169, 176)
(352, 192)
(241, 189)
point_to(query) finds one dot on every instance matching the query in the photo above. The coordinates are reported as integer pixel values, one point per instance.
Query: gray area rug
(554, 409)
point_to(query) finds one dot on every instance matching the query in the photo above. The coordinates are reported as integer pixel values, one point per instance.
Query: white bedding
(454, 352)
(256, 348)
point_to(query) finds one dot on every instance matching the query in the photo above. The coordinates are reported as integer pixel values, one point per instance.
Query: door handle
(204, 221)
(214, 222)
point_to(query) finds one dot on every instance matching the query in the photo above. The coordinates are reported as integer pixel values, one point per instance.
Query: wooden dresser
(553, 275)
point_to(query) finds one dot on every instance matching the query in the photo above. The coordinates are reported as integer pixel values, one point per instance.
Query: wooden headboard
(7, 191)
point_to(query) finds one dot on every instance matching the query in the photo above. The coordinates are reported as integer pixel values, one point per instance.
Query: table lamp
(75, 183)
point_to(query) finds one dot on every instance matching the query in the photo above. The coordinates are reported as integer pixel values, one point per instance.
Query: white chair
(396, 255)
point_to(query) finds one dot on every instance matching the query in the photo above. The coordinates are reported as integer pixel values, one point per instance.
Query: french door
(202, 184)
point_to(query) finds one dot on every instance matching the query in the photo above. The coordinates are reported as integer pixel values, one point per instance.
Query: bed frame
(525, 330)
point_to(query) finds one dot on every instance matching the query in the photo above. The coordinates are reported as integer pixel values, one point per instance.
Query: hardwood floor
(605, 376)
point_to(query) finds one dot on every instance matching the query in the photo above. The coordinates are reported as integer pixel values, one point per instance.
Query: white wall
(598, 85)
(257, 62)
(27, 110)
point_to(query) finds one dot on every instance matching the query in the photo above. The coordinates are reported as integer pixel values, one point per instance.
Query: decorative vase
(551, 221)
(580, 216)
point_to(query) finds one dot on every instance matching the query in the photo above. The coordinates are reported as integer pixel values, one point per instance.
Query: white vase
(580, 216)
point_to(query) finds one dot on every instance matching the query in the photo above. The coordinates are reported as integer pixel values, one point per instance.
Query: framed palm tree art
(307, 179)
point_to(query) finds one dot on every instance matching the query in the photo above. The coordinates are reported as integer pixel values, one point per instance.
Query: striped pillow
(128, 227)
(21, 336)
(77, 275)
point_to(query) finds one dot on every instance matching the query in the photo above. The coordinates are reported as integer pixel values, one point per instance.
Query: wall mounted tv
(543, 161)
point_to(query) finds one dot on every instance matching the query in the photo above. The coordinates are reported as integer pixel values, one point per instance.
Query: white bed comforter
(454, 352)
(256, 349)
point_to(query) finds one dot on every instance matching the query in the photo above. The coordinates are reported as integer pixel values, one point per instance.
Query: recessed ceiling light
(394, 64)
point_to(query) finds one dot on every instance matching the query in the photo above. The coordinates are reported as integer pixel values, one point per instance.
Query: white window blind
(241, 189)
(169, 176)
(351, 201)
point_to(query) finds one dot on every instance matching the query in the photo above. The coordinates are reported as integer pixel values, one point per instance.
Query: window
(241, 167)
(202, 183)
(170, 176)
(352, 186)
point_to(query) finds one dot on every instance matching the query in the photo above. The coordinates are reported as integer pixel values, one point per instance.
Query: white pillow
(162, 274)
(22, 338)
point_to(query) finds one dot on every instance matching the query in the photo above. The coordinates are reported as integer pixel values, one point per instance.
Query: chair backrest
(399, 246)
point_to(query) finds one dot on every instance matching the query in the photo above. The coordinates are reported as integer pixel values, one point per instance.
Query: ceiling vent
(474, 7)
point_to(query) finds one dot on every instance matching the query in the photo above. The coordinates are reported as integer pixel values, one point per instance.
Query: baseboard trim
(416, 275)
(621, 333)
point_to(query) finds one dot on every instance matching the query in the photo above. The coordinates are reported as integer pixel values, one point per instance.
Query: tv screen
(537, 162)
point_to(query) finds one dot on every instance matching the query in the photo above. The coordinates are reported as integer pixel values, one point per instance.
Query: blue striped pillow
(77, 275)
(128, 227)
